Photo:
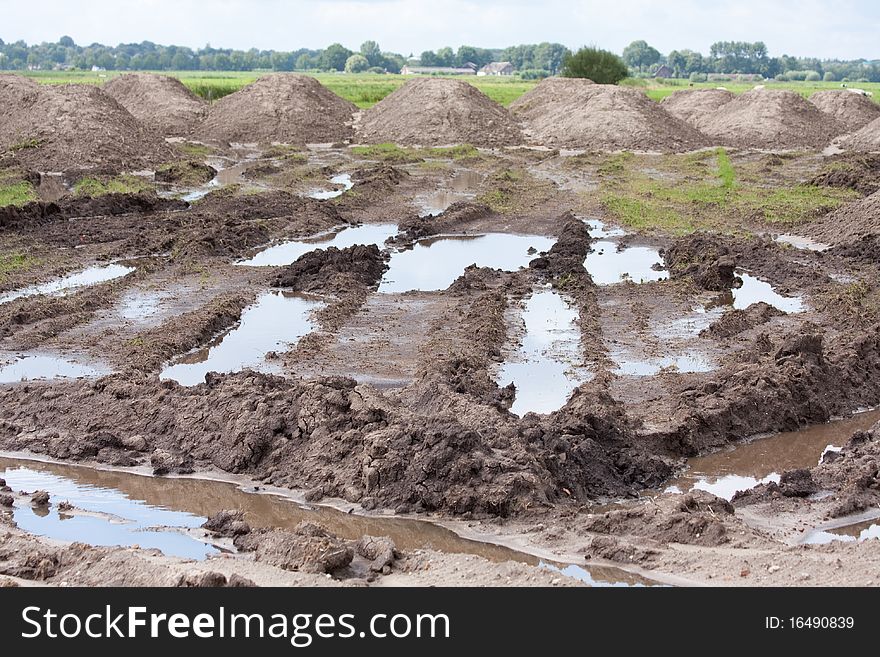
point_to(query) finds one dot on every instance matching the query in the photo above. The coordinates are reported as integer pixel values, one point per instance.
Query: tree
(305, 62)
(600, 66)
(445, 57)
(371, 50)
(356, 64)
(428, 58)
(549, 56)
(639, 55)
(65, 41)
(334, 57)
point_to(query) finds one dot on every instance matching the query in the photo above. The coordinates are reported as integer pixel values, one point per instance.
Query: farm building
(496, 68)
(663, 72)
(467, 69)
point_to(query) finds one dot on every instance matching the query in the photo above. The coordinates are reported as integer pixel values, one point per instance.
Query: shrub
(698, 77)
(812, 76)
(375, 69)
(356, 64)
(781, 77)
(534, 74)
(600, 66)
(829, 76)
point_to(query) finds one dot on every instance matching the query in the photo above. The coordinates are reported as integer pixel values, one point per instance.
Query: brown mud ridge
(574, 113)
(160, 102)
(848, 222)
(851, 171)
(866, 139)
(438, 112)
(854, 110)
(693, 105)
(58, 128)
(283, 107)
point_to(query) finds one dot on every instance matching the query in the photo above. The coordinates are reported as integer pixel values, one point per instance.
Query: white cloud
(844, 28)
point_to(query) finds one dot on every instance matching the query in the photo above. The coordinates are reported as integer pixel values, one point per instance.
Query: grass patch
(26, 144)
(17, 193)
(119, 185)
(13, 262)
(194, 150)
(387, 153)
(460, 152)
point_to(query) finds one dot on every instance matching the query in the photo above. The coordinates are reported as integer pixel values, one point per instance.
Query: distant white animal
(721, 88)
(861, 92)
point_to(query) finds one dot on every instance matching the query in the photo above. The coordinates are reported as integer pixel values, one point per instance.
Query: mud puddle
(102, 515)
(185, 502)
(753, 290)
(803, 243)
(598, 229)
(545, 369)
(288, 252)
(764, 459)
(462, 187)
(609, 264)
(855, 532)
(43, 367)
(342, 184)
(433, 264)
(71, 282)
(140, 305)
(684, 363)
(274, 323)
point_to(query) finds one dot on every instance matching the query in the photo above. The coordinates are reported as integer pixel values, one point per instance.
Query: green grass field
(366, 89)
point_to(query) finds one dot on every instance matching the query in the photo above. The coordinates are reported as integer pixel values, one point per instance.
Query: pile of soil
(849, 222)
(59, 128)
(771, 119)
(159, 101)
(38, 213)
(287, 108)
(576, 113)
(857, 171)
(438, 112)
(867, 139)
(694, 105)
(334, 270)
(853, 110)
(705, 259)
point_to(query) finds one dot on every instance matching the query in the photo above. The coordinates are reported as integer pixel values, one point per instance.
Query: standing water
(61, 286)
(344, 182)
(289, 252)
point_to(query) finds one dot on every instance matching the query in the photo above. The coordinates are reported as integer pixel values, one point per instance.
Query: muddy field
(434, 363)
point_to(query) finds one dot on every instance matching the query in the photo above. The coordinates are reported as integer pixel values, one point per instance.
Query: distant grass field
(367, 89)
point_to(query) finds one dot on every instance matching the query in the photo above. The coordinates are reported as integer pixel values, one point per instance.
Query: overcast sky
(846, 29)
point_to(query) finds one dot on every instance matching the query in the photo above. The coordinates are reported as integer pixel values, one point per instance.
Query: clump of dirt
(867, 139)
(866, 249)
(853, 474)
(704, 259)
(848, 222)
(575, 113)
(74, 126)
(283, 107)
(188, 172)
(438, 112)
(333, 270)
(693, 105)
(39, 213)
(854, 110)
(159, 101)
(851, 171)
(771, 119)
(797, 483)
(565, 259)
(454, 218)
(309, 548)
(734, 322)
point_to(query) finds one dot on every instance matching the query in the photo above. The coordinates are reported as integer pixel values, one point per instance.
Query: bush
(781, 77)
(600, 66)
(829, 77)
(375, 69)
(812, 76)
(356, 64)
(534, 74)
(698, 77)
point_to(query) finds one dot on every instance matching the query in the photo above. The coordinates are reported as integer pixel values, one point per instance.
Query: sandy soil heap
(866, 139)
(73, 127)
(771, 119)
(160, 101)
(693, 105)
(853, 110)
(576, 113)
(293, 109)
(436, 112)
(850, 221)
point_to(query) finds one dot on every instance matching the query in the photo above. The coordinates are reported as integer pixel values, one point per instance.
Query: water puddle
(342, 181)
(762, 460)
(754, 290)
(852, 533)
(608, 264)
(461, 188)
(289, 252)
(545, 368)
(684, 363)
(184, 502)
(44, 367)
(102, 516)
(598, 229)
(433, 264)
(803, 243)
(274, 323)
(71, 282)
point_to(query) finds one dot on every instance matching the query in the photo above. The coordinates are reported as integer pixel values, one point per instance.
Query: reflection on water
(275, 322)
(608, 265)
(754, 290)
(344, 183)
(461, 188)
(61, 286)
(36, 367)
(684, 363)
(289, 252)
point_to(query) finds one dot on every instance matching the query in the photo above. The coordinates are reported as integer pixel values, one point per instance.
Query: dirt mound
(693, 105)
(734, 322)
(853, 110)
(579, 114)
(849, 222)
(771, 119)
(40, 212)
(334, 270)
(293, 109)
(867, 139)
(437, 112)
(705, 259)
(159, 101)
(74, 127)
(851, 171)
